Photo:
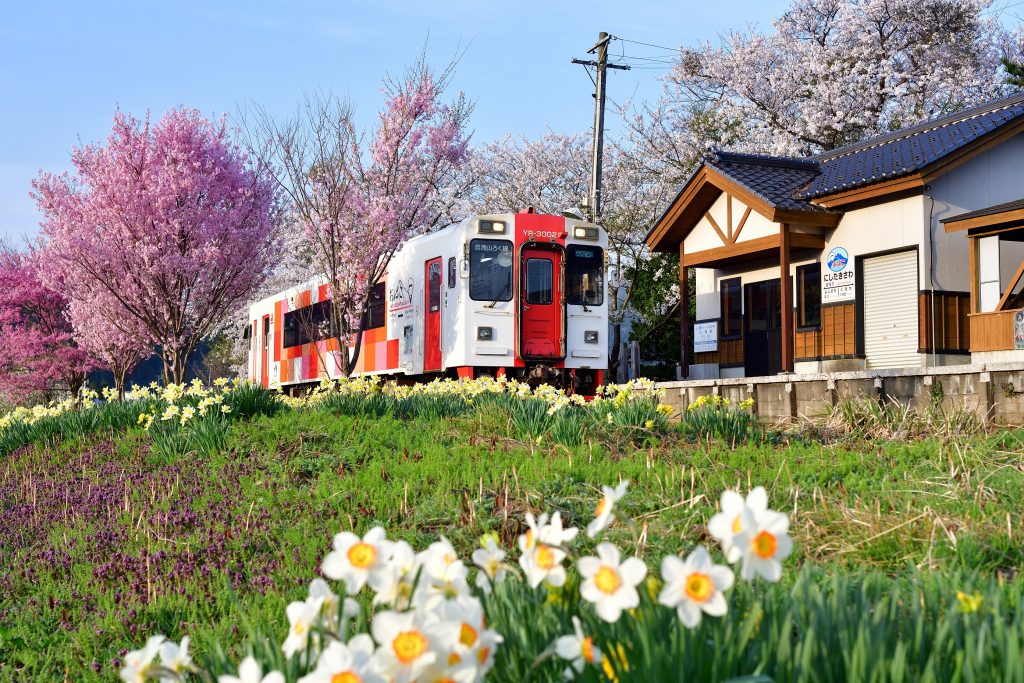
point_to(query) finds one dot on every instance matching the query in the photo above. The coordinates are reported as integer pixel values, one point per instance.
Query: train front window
(490, 270)
(584, 275)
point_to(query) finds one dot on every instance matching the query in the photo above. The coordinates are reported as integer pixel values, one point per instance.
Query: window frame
(801, 323)
(729, 331)
(304, 331)
(550, 277)
(570, 252)
(451, 272)
(376, 307)
(512, 284)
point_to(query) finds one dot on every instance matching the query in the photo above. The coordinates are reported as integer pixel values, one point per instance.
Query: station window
(732, 308)
(307, 324)
(584, 275)
(490, 270)
(808, 296)
(375, 307)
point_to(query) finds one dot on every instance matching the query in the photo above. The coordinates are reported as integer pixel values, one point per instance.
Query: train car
(515, 295)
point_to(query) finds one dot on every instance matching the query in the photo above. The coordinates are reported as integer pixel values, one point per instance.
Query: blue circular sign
(837, 259)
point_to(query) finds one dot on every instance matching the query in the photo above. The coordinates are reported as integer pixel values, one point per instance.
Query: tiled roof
(998, 208)
(775, 180)
(909, 150)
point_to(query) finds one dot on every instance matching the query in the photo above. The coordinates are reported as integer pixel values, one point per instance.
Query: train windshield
(490, 270)
(584, 275)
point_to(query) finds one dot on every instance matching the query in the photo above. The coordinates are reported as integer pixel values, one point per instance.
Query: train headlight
(583, 233)
(492, 226)
(484, 333)
(590, 336)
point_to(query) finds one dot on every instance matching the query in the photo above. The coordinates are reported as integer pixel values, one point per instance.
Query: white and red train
(516, 295)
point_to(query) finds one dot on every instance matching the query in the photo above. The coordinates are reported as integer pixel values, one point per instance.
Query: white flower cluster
(427, 623)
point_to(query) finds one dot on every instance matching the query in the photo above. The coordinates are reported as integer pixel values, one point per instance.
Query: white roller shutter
(890, 311)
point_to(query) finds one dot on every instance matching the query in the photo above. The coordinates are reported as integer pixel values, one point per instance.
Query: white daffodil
(138, 663)
(330, 602)
(476, 644)
(355, 559)
(176, 658)
(302, 618)
(695, 586)
(610, 583)
(443, 576)
(408, 645)
(542, 552)
(578, 649)
(350, 662)
(763, 544)
(394, 585)
(603, 512)
(250, 671)
(735, 515)
(491, 561)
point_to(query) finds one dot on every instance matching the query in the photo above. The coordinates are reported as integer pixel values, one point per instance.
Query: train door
(265, 353)
(432, 317)
(542, 309)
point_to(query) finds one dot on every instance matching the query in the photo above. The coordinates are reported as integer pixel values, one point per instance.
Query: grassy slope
(103, 543)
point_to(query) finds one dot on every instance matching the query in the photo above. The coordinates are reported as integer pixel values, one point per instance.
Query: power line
(1002, 9)
(647, 59)
(660, 47)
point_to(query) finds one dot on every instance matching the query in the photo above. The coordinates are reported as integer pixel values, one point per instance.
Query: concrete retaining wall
(994, 392)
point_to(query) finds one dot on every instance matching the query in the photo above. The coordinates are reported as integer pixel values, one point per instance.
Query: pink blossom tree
(361, 196)
(119, 343)
(167, 224)
(38, 353)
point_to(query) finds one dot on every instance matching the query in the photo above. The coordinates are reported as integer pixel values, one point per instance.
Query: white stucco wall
(995, 177)
(883, 227)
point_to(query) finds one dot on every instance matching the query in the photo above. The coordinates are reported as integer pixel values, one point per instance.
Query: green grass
(888, 531)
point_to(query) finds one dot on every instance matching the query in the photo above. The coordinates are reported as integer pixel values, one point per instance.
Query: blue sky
(67, 65)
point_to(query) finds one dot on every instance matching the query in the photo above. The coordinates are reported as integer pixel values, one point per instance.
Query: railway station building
(901, 251)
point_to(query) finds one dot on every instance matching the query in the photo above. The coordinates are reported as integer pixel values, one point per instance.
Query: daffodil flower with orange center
(350, 662)
(603, 511)
(764, 544)
(355, 560)
(542, 550)
(610, 583)
(695, 586)
(734, 517)
(578, 649)
(405, 643)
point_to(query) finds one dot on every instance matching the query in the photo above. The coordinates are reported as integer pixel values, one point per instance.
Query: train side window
(307, 324)
(451, 273)
(584, 275)
(434, 287)
(490, 270)
(375, 307)
(538, 281)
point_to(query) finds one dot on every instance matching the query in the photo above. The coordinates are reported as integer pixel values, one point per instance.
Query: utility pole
(597, 151)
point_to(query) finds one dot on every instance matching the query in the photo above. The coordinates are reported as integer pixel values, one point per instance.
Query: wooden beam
(739, 228)
(684, 316)
(714, 224)
(728, 217)
(766, 246)
(1013, 284)
(986, 221)
(874, 191)
(786, 295)
(972, 258)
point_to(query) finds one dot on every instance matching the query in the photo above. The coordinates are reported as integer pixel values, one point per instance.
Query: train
(514, 295)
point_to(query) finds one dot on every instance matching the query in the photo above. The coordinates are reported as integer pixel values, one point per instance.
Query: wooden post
(786, 295)
(684, 315)
(972, 243)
